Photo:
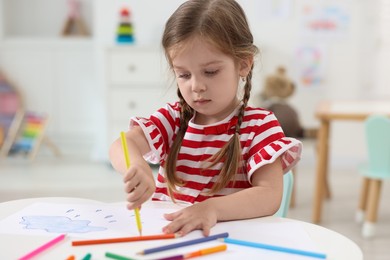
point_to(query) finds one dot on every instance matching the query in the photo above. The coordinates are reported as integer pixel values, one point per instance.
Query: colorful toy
(11, 113)
(20, 131)
(125, 31)
(32, 131)
(31, 135)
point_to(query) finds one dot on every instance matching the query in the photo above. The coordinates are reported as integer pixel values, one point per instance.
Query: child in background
(216, 153)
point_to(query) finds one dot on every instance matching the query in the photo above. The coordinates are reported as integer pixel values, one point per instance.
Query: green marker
(87, 257)
(117, 257)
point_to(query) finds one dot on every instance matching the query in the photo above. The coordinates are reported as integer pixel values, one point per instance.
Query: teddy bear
(278, 87)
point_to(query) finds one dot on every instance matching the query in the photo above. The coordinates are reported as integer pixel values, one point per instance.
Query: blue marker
(274, 248)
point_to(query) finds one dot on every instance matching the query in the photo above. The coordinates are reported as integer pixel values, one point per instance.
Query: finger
(169, 229)
(206, 230)
(136, 200)
(173, 227)
(187, 228)
(133, 205)
(131, 186)
(180, 226)
(129, 175)
(172, 216)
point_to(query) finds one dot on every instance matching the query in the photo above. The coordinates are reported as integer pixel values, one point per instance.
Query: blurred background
(74, 74)
(333, 50)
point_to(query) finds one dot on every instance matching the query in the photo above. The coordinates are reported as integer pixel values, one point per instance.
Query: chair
(377, 130)
(288, 182)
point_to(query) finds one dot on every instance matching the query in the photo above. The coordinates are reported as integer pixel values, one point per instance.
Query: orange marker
(206, 251)
(201, 252)
(123, 239)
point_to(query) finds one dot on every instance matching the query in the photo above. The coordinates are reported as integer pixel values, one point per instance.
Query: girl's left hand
(198, 216)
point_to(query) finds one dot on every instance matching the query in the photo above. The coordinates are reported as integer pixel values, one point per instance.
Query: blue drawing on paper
(59, 224)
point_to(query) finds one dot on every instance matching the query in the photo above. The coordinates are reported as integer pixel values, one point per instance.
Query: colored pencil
(71, 257)
(181, 244)
(201, 252)
(87, 257)
(122, 239)
(43, 247)
(127, 159)
(274, 248)
(117, 257)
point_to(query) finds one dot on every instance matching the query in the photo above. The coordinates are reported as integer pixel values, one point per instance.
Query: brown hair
(223, 24)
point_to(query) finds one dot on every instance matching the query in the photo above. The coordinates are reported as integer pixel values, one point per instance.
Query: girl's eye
(184, 75)
(211, 72)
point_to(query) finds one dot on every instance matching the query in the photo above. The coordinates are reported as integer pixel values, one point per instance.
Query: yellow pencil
(127, 159)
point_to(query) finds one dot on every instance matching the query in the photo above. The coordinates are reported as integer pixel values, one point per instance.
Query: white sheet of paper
(95, 221)
(82, 220)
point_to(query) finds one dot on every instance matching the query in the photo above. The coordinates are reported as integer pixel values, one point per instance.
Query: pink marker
(43, 247)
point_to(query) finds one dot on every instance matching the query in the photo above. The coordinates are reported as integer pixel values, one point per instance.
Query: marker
(127, 159)
(274, 248)
(87, 257)
(181, 244)
(43, 247)
(117, 257)
(201, 252)
(122, 239)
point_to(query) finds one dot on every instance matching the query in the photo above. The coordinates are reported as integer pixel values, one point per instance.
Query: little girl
(215, 152)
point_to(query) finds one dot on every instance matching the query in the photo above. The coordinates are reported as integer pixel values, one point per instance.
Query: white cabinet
(138, 83)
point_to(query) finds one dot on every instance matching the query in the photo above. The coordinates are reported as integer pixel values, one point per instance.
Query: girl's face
(208, 80)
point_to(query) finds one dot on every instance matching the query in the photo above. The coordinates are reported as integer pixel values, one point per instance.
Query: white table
(334, 245)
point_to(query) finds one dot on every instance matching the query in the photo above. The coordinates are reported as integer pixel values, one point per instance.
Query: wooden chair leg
(372, 208)
(362, 206)
(327, 193)
(326, 188)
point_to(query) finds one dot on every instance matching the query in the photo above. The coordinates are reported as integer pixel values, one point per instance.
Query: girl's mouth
(202, 101)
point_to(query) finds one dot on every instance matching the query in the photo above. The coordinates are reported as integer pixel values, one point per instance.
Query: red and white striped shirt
(262, 141)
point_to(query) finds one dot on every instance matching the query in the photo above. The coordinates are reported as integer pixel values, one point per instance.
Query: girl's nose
(197, 85)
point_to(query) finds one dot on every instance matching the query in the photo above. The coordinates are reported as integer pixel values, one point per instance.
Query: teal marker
(87, 257)
(117, 257)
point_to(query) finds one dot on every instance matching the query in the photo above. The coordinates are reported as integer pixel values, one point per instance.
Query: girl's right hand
(139, 184)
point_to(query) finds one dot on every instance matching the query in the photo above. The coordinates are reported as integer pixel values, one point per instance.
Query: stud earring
(243, 79)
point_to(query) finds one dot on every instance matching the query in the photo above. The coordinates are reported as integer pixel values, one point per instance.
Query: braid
(245, 99)
(186, 114)
(231, 153)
